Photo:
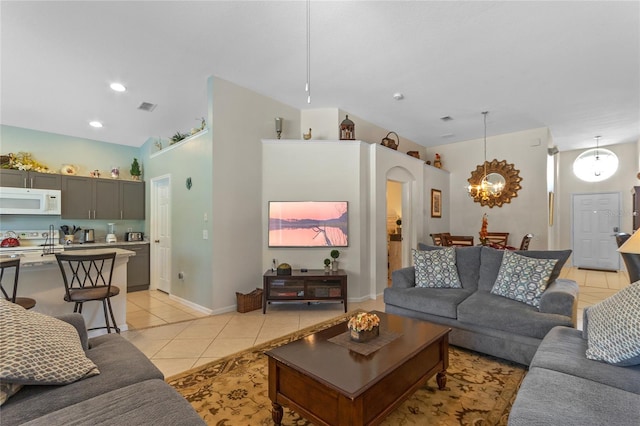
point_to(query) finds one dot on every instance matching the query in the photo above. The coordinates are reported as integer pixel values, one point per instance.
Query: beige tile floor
(179, 338)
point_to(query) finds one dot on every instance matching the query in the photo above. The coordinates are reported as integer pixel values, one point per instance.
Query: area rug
(234, 390)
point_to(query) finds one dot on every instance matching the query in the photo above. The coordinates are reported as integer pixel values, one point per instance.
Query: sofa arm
(404, 278)
(77, 320)
(560, 297)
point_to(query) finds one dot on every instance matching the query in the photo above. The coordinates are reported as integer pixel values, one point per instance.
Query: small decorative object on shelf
(347, 130)
(414, 154)
(135, 170)
(307, 136)
(327, 265)
(335, 254)
(177, 137)
(203, 124)
(284, 269)
(95, 173)
(390, 143)
(158, 144)
(437, 162)
(279, 121)
(115, 172)
(364, 327)
(23, 161)
(68, 170)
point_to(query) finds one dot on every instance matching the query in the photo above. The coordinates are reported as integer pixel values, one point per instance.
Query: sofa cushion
(151, 402)
(491, 259)
(613, 333)
(436, 268)
(467, 261)
(499, 313)
(523, 278)
(548, 397)
(39, 349)
(120, 363)
(435, 301)
(563, 349)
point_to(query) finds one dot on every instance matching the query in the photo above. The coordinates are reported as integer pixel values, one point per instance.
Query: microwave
(29, 201)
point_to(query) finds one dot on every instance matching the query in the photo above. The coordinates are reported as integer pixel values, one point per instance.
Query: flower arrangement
(483, 230)
(363, 321)
(25, 161)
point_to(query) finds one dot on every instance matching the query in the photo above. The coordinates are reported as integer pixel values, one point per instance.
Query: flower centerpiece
(364, 327)
(483, 230)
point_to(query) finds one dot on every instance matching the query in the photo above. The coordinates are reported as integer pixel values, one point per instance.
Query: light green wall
(54, 150)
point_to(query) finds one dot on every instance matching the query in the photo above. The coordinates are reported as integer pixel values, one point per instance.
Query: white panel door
(161, 234)
(594, 218)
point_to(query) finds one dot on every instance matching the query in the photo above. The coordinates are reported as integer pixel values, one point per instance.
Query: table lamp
(630, 252)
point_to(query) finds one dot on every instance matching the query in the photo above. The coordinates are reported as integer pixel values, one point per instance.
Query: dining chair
(457, 240)
(437, 238)
(25, 302)
(87, 278)
(524, 245)
(499, 239)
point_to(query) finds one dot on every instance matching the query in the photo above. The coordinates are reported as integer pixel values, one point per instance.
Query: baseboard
(191, 305)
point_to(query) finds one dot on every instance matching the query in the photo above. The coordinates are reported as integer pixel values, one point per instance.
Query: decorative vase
(365, 335)
(334, 266)
(327, 268)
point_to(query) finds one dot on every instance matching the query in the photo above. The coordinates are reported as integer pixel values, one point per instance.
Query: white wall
(622, 182)
(435, 178)
(527, 213)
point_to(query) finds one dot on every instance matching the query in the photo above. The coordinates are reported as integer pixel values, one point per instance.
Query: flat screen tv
(308, 223)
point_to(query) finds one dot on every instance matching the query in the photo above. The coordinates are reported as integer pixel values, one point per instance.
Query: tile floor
(177, 338)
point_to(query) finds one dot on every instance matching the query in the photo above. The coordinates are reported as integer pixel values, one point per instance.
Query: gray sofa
(482, 321)
(129, 390)
(565, 388)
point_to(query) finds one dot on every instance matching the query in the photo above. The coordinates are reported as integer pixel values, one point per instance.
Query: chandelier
(487, 187)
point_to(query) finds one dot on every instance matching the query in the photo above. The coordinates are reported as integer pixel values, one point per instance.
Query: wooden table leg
(441, 379)
(276, 413)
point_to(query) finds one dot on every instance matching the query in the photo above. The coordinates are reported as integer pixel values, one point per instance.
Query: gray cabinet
(25, 179)
(105, 199)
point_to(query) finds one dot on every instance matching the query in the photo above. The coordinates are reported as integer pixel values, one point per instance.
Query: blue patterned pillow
(436, 268)
(613, 333)
(523, 278)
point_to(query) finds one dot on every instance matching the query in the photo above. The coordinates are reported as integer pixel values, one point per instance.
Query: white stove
(32, 242)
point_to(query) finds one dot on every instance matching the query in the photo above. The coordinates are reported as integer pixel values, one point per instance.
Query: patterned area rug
(234, 390)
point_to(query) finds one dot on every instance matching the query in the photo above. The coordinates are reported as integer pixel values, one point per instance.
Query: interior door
(161, 234)
(594, 218)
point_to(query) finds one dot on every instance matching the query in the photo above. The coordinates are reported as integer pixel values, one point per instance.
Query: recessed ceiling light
(398, 96)
(117, 87)
(95, 124)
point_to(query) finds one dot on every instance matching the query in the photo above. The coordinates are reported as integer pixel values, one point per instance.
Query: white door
(594, 218)
(161, 233)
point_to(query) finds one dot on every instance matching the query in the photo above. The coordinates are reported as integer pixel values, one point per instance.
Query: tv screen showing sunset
(308, 224)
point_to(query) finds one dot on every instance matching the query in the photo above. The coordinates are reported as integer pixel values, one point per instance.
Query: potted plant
(364, 327)
(327, 265)
(135, 170)
(335, 254)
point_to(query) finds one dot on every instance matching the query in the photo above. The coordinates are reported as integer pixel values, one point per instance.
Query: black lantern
(347, 130)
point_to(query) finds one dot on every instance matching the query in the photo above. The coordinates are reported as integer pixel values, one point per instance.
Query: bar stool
(25, 302)
(88, 278)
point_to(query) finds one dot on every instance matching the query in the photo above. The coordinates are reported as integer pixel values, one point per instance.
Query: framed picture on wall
(436, 203)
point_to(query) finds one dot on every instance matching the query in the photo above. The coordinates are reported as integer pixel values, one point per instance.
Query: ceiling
(573, 67)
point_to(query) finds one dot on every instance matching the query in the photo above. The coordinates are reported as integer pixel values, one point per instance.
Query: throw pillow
(613, 335)
(436, 268)
(39, 349)
(523, 278)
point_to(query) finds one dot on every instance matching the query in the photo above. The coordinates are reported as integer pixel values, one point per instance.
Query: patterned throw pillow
(523, 278)
(436, 268)
(613, 333)
(39, 349)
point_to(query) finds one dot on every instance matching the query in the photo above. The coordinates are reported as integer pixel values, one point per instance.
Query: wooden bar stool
(25, 302)
(88, 278)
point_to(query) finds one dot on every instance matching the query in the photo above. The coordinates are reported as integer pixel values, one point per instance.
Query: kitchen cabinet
(106, 199)
(138, 267)
(27, 179)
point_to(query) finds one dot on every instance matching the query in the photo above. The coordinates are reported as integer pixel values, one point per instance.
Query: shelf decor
(364, 327)
(347, 130)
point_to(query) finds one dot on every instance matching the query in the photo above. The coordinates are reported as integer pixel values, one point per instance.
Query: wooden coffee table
(331, 385)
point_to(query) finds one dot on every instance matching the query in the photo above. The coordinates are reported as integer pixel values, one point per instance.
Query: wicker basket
(249, 302)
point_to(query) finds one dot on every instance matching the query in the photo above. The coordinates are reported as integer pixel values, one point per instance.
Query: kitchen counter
(105, 244)
(41, 279)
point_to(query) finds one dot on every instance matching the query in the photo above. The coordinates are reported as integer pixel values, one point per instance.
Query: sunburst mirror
(496, 172)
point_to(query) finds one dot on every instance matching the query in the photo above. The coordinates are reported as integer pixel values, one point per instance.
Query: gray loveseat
(565, 388)
(482, 321)
(129, 390)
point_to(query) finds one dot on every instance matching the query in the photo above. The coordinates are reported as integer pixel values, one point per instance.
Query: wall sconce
(279, 121)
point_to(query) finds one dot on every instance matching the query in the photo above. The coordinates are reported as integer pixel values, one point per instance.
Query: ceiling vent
(147, 106)
(446, 118)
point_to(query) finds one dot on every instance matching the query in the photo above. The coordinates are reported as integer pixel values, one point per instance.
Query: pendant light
(485, 189)
(596, 164)
(308, 85)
